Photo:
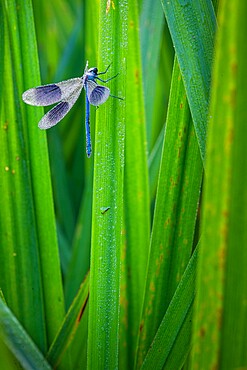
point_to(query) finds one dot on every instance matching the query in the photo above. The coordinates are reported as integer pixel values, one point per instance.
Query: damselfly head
(93, 70)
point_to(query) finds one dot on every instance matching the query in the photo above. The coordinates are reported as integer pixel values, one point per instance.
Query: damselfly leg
(102, 73)
(109, 79)
(116, 97)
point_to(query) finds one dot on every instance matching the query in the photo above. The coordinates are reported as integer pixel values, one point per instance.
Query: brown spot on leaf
(202, 332)
(82, 309)
(141, 326)
(234, 68)
(137, 76)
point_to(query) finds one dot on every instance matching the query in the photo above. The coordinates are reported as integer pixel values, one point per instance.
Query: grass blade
(221, 302)
(151, 25)
(41, 186)
(20, 274)
(108, 192)
(175, 213)
(13, 334)
(178, 313)
(69, 326)
(196, 22)
(29, 247)
(136, 202)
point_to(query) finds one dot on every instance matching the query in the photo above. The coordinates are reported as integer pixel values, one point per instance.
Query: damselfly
(66, 93)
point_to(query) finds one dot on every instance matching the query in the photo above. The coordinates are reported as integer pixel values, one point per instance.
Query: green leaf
(69, 325)
(151, 26)
(172, 340)
(29, 247)
(175, 213)
(192, 26)
(19, 342)
(108, 192)
(220, 315)
(20, 274)
(136, 196)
